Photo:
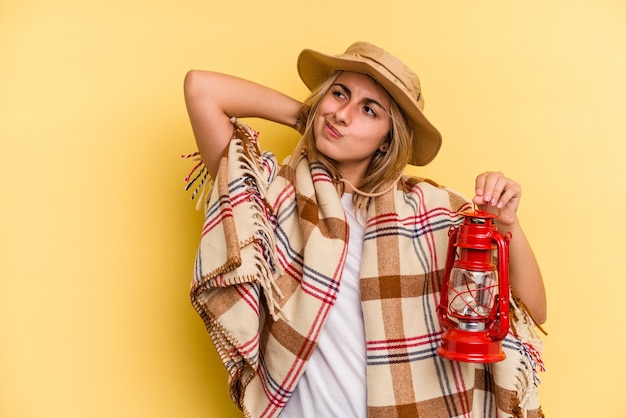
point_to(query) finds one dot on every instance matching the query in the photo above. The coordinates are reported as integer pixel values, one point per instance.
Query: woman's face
(352, 122)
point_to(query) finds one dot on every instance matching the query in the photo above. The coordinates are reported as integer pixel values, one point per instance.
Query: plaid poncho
(269, 267)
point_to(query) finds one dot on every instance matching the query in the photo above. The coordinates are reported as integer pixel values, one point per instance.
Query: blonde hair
(385, 166)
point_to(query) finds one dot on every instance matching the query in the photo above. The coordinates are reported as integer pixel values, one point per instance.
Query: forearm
(524, 273)
(213, 98)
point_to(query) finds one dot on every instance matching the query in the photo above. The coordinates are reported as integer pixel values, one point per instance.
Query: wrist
(301, 118)
(505, 226)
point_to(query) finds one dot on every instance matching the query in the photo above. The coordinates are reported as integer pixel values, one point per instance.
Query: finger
(511, 193)
(492, 186)
(479, 189)
(498, 188)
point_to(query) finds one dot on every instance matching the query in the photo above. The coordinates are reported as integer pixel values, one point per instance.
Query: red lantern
(474, 305)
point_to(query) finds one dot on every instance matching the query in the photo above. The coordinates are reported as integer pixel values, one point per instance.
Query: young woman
(318, 279)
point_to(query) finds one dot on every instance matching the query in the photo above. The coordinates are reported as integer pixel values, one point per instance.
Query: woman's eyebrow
(367, 100)
(372, 101)
(343, 87)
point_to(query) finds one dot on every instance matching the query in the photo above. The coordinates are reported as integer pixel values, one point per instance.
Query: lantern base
(470, 347)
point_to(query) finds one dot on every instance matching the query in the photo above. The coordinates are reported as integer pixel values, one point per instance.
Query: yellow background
(98, 236)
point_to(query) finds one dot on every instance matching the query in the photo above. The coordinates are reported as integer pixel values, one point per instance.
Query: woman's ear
(384, 147)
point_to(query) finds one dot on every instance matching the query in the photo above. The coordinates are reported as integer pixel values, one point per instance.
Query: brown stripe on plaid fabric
(431, 408)
(506, 400)
(219, 300)
(387, 246)
(395, 411)
(307, 208)
(288, 285)
(332, 228)
(389, 287)
(440, 407)
(404, 392)
(457, 201)
(228, 223)
(287, 337)
(392, 287)
(411, 181)
(388, 262)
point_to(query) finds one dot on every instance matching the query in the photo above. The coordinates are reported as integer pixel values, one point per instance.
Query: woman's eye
(369, 110)
(338, 94)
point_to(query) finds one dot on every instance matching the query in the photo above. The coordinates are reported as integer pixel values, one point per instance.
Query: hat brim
(315, 67)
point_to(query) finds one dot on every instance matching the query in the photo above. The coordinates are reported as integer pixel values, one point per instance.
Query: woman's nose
(343, 114)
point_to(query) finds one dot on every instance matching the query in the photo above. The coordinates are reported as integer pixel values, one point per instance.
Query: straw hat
(391, 73)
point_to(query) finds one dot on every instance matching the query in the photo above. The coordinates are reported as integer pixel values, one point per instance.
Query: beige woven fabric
(268, 271)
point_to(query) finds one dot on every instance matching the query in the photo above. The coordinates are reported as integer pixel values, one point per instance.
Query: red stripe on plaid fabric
(268, 162)
(422, 218)
(251, 299)
(322, 177)
(289, 269)
(461, 388)
(225, 212)
(403, 343)
(216, 219)
(317, 285)
(286, 195)
(326, 296)
(249, 347)
(323, 288)
(238, 198)
(276, 402)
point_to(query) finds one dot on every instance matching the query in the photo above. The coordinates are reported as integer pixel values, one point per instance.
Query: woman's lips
(330, 129)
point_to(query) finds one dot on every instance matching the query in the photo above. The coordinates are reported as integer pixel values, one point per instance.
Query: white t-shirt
(334, 382)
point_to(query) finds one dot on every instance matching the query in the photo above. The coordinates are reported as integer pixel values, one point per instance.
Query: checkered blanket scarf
(268, 270)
